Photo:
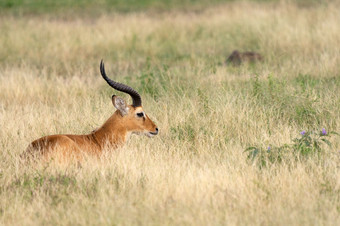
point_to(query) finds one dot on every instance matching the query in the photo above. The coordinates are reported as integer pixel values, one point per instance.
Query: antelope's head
(132, 117)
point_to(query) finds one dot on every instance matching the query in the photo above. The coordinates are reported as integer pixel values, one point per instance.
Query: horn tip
(102, 69)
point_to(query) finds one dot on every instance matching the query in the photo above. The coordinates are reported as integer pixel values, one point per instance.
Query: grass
(90, 8)
(195, 172)
(85, 8)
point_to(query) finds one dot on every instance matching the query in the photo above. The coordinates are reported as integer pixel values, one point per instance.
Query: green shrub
(310, 143)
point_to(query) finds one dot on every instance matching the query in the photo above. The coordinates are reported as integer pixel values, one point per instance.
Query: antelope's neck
(113, 132)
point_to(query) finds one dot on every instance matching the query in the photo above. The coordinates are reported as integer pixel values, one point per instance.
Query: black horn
(136, 99)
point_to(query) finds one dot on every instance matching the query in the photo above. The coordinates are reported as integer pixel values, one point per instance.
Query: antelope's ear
(120, 104)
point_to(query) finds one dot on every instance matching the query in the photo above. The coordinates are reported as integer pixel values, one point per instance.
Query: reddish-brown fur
(112, 133)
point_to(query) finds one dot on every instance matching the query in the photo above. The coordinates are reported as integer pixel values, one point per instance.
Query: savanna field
(238, 145)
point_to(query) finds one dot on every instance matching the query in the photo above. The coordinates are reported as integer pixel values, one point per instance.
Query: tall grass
(195, 172)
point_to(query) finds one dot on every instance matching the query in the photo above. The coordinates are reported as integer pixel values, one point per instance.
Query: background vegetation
(196, 171)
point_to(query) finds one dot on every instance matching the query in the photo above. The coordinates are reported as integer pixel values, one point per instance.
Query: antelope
(126, 120)
(236, 57)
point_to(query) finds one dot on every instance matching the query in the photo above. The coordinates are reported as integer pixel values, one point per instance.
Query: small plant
(264, 156)
(307, 144)
(311, 142)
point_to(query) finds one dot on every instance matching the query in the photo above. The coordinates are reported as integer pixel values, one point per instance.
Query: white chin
(149, 135)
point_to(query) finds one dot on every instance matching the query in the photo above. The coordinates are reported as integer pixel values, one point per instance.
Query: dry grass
(195, 172)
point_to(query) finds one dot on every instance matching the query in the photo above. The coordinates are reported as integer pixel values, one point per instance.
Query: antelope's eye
(140, 114)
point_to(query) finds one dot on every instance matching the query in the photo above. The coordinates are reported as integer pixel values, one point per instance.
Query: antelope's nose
(156, 131)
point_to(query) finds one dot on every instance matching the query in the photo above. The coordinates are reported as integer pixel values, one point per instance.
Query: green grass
(195, 172)
(69, 8)
(91, 7)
